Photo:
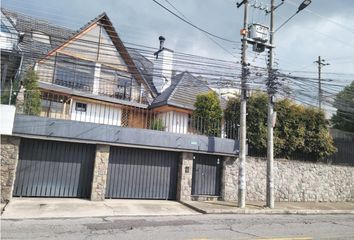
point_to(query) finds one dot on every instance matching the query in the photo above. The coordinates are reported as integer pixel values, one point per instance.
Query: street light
(302, 6)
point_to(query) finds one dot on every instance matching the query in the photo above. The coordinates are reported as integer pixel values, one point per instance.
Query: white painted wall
(96, 113)
(7, 116)
(175, 122)
(163, 70)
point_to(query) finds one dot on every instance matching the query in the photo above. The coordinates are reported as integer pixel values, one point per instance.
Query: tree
(32, 95)
(207, 114)
(344, 102)
(256, 120)
(299, 131)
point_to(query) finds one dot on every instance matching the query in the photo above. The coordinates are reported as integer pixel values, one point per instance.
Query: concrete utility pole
(242, 154)
(321, 63)
(271, 93)
(270, 121)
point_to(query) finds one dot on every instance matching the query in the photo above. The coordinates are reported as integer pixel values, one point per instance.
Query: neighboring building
(10, 56)
(101, 104)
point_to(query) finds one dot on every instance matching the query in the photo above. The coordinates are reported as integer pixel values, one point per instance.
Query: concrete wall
(107, 134)
(294, 181)
(7, 118)
(9, 158)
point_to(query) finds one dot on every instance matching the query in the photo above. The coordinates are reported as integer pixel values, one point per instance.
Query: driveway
(25, 208)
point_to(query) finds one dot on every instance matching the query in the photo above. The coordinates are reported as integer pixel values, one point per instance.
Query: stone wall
(185, 172)
(9, 158)
(99, 180)
(293, 181)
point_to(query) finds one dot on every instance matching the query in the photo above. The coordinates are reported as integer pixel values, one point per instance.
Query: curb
(268, 211)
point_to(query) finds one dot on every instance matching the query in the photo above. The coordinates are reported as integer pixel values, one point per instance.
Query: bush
(207, 114)
(344, 102)
(299, 130)
(32, 104)
(158, 125)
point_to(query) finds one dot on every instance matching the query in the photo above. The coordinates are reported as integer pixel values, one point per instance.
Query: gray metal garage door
(141, 173)
(206, 175)
(54, 169)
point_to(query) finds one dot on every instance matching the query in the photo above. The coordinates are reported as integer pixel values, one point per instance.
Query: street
(195, 227)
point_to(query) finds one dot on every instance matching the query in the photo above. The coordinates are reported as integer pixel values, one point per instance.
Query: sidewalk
(221, 207)
(27, 208)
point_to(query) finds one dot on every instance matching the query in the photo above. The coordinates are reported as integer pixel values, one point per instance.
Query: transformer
(258, 32)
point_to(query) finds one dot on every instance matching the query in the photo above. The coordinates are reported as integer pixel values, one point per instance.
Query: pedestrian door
(206, 175)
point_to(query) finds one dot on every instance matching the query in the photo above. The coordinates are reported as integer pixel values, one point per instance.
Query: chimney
(162, 41)
(163, 62)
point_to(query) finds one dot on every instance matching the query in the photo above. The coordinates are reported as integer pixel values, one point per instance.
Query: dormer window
(40, 37)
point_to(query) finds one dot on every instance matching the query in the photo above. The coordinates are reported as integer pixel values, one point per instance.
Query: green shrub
(32, 104)
(344, 102)
(299, 130)
(206, 118)
(158, 125)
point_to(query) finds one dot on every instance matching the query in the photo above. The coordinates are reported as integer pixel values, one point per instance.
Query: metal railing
(64, 107)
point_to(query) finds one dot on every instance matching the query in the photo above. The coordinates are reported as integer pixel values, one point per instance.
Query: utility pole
(321, 63)
(242, 153)
(270, 120)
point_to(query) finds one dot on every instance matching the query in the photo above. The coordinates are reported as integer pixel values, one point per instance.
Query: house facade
(112, 124)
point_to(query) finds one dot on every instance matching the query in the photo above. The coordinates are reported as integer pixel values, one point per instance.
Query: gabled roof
(182, 93)
(25, 25)
(60, 36)
(107, 24)
(145, 67)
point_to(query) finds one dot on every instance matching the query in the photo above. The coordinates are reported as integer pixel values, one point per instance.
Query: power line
(193, 25)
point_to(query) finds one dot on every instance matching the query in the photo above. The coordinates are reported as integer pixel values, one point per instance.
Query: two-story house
(101, 104)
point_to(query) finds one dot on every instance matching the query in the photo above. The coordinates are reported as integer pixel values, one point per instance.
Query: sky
(325, 28)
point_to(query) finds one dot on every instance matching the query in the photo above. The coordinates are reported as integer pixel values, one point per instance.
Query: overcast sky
(326, 29)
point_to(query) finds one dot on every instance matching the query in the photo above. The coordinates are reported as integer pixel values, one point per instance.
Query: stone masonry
(9, 158)
(185, 172)
(100, 173)
(294, 181)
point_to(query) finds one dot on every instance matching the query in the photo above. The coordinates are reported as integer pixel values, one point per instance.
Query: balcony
(89, 77)
(66, 107)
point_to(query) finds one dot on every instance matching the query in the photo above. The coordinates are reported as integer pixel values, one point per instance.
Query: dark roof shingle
(182, 92)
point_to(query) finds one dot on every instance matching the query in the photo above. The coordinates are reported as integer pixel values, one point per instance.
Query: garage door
(206, 175)
(141, 173)
(54, 169)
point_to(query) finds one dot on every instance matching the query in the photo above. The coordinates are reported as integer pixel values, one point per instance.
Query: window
(4, 28)
(114, 83)
(40, 37)
(80, 107)
(74, 73)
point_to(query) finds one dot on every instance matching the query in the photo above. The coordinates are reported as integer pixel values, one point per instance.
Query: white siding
(175, 122)
(96, 113)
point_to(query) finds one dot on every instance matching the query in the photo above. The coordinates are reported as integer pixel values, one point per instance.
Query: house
(101, 104)
(10, 57)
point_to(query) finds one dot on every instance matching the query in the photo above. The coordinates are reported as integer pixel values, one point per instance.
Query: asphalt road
(196, 227)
